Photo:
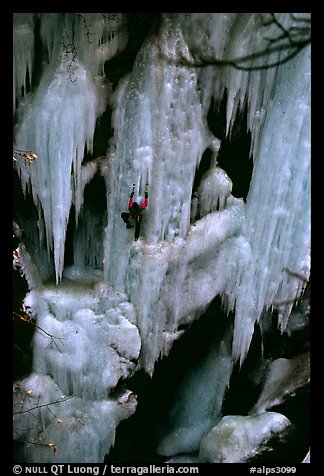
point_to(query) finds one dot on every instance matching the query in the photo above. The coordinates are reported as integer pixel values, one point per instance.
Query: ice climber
(135, 212)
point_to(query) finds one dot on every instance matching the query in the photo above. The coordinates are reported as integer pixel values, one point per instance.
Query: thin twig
(44, 405)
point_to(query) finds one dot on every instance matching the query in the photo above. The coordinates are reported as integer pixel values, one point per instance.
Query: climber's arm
(145, 203)
(130, 203)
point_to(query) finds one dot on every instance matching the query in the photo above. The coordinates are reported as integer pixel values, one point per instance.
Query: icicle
(59, 124)
(278, 209)
(23, 53)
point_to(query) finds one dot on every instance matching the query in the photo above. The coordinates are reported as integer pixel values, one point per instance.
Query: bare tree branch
(24, 317)
(44, 405)
(291, 41)
(26, 154)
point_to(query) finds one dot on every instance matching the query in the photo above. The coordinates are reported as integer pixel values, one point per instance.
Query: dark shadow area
(70, 230)
(243, 392)
(26, 216)
(294, 446)
(23, 331)
(24, 211)
(95, 195)
(204, 166)
(141, 26)
(95, 205)
(278, 344)
(23, 206)
(234, 153)
(102, 134)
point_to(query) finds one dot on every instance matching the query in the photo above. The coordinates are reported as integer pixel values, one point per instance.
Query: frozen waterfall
(112, 305)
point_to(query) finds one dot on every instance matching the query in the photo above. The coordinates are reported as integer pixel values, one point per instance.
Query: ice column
(160, 136)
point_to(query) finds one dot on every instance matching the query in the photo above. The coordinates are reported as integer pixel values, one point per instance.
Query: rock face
(236, 439)
(104, 305)
(284, 378)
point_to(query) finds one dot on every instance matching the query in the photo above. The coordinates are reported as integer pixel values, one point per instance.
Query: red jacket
(142, 205)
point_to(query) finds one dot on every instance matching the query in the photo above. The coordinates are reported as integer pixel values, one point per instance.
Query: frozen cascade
(63, 113)
(161, 144)
(74, 315)
(171, 270)
(64, 116)
(137, 96)
(254, 255)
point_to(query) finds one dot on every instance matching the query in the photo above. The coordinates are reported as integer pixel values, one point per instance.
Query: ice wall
(277, 235)
(256, 255)
(160, 135)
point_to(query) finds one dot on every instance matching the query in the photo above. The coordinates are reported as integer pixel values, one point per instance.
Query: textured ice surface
(160, 134)
(65, 428)
(84, 344)
(84, 339)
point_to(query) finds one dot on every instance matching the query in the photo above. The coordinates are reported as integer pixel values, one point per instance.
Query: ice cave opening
(192, 343)
(235, 154)
(138, 437)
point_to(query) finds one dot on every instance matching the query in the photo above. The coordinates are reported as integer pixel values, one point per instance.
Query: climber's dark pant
(125, 216)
